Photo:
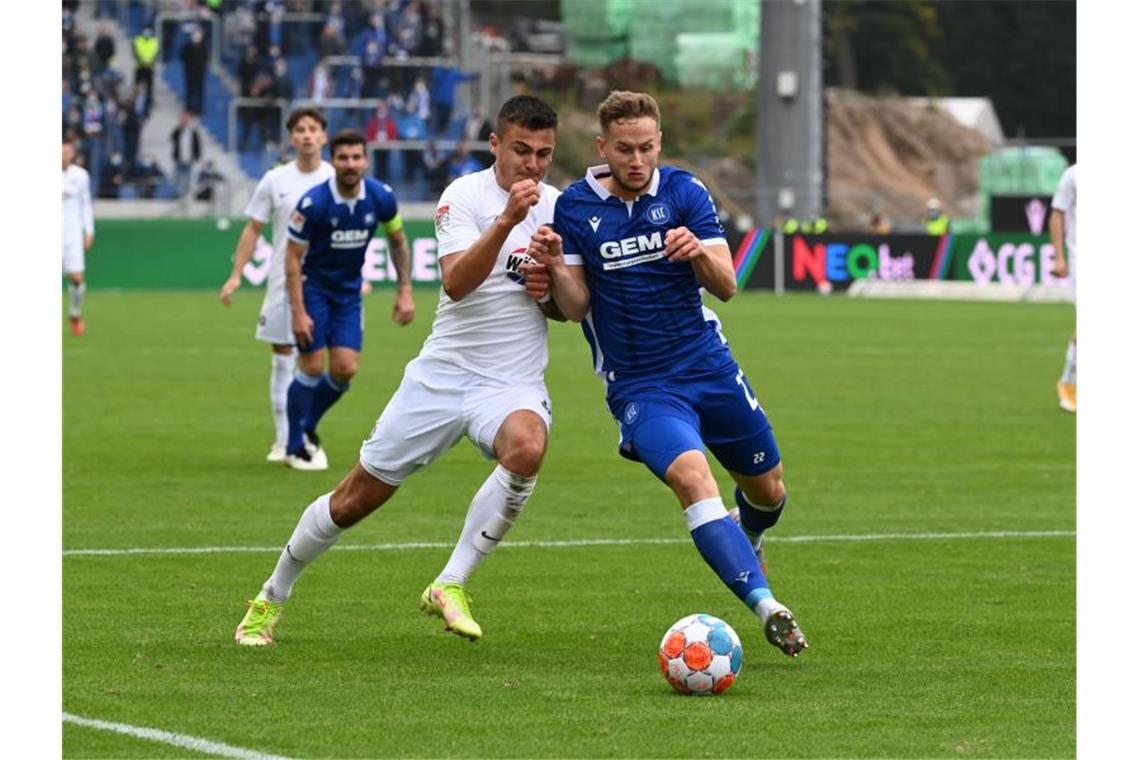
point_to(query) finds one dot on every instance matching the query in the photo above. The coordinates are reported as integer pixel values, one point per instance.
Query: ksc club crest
(658, 213)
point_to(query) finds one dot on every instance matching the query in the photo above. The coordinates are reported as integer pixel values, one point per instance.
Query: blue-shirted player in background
(328, 236)
(631, 247)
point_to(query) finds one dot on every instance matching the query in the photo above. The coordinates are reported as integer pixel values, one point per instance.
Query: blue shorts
(338, 320)
(661, 422)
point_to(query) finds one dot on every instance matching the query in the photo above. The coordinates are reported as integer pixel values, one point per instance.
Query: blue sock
(726, 550)
(755, 520)
(299, 401)
(325, 395)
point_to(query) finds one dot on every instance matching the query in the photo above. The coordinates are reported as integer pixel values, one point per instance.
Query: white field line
(166, 737)
(576, 543)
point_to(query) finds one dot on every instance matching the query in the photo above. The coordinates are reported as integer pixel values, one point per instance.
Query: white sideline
(575, 543)
(166, 737)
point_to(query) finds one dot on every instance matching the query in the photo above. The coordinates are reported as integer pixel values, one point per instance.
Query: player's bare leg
(358, 495)
(519, 445)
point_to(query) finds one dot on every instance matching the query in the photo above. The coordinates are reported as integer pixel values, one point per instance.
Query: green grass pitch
(905, 426)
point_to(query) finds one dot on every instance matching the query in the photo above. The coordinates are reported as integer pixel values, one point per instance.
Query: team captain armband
(395, 224)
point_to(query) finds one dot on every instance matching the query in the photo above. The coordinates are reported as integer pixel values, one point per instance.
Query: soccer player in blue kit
(631, 247)
(328, 236)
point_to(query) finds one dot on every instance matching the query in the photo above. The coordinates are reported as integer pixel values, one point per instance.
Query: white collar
(341, 199)
(604, 169)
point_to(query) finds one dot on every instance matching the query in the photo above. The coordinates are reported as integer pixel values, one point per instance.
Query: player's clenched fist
(524, 194)
(546, 247)
(537, 280)
(681, 244)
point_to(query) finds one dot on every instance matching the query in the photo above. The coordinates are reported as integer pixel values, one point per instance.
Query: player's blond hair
(622, 105)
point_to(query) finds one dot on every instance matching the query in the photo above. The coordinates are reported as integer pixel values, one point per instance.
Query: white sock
(1069, 373)
(76, 292)
(279, 378)
(315, 532)
(766, 606)
(493, 511)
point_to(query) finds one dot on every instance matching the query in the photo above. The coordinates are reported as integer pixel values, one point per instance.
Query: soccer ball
(700, 654)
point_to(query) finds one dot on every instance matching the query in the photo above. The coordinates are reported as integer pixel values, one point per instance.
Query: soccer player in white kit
(274, 200)
(78, 232)
(1063, 232)
(479, 375)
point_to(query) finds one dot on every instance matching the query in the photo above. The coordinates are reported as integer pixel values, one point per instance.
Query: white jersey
(274, 199)
(78, 219)
(1065, 199)
(496, 331)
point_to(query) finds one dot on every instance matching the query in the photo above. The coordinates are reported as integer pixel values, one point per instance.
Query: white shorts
(275, 323)
(73, 259)
(436, 404)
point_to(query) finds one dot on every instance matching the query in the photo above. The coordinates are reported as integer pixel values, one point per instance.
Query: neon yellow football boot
(451, 602)
(256, 628)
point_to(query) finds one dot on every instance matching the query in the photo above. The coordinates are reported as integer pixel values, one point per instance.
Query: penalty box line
(586, 542)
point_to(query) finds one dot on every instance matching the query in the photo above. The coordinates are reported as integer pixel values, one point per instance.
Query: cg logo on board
(658, 213)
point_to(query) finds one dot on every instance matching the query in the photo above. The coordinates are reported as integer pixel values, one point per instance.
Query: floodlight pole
(789, 117)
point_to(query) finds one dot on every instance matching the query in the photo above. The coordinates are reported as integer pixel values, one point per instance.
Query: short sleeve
(455, 224)
(303, 220)
(260, 208)
(1066, 196)
(571, 251)
(388, 209)
(700, 213)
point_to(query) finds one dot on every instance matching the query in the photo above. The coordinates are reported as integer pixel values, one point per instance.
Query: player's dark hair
(306, 111)
(528, 112)
(622, 105)
(347, 137)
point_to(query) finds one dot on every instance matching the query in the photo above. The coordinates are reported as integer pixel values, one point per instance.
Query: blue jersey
(646, 318)
(338, 230)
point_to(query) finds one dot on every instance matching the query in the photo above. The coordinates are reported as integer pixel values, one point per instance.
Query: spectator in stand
(376, 31)
(132, 119)
(195, 55)
(146, 53)
(331, 42)
(879, 224)
(186, 150)
(249, 117)
(431, 35)
(477, 131)
(104, 47)
(435, 167)
(372, 63)
(114, 174)
(320, 84)
(335, 17)
(282, 82)
(93, 135)
(268, 115)
(146, 176)
(380, 130)
(444, 80)
(419, 101)
(462, 163)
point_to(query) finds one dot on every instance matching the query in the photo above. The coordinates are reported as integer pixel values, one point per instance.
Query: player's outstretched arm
(711, 264)
(404, 308)
(246, 245)
(464, 271)
(1057, 235)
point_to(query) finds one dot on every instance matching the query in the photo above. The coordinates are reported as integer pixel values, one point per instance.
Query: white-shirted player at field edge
(1063, 233)
(78, 232)
(479, 375)
(273, 201)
